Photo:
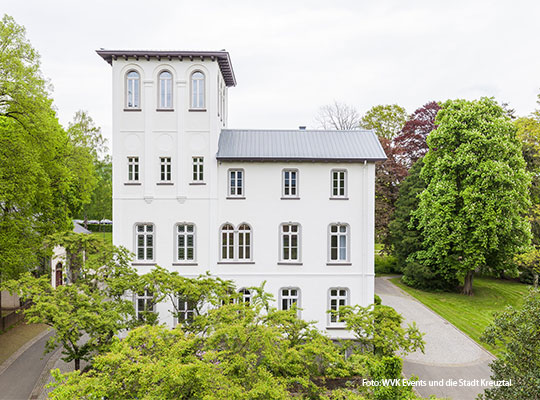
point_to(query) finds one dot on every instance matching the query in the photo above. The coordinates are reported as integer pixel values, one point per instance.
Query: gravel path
(449, 353)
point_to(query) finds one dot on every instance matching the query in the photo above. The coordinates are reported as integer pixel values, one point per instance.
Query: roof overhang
(301, 159)
(222, 57)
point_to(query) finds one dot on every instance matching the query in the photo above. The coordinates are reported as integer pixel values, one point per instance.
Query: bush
(386, 265)
(377, 300)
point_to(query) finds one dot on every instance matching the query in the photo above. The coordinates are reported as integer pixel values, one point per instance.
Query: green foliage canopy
(472, 211)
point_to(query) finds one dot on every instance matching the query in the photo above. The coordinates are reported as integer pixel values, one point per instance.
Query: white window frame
(334, 303)
(198, 89)
(335, 184)
(339, 234)
(290, 183)
(133, 90)
(133, 169)
(146, 297)
(245, 295)
(184, 236)
(236, 243)
(286, 232)
(197, 169)
(165, 90)
(187, 310)
(145, 233)
(235, 190)
(165, 169)
(288, 297)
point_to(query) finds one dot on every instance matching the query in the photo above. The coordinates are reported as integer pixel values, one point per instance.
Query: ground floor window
(337, 298)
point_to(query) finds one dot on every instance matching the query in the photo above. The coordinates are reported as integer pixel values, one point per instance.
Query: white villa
(294, 208)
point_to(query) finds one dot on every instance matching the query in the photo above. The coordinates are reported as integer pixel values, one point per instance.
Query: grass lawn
(472, 314)
(16, 336)
(107, 236)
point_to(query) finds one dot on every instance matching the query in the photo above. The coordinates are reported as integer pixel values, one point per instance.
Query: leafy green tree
(530, 261)
(378, 328)
(87, 314)
(386, 120)
(472, 211)
(230, 350)
(37, 188)
(100, 206)
(518, 330)
(405, 238)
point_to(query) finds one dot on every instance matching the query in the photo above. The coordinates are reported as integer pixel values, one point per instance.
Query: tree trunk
(77, 364)
(535, 280)
(467, 287)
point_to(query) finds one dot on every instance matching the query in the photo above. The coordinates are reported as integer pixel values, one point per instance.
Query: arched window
(227, 242)
(165, 90)
(244, 242)
(236, 243)
(197, 90)
(133, 90)
(245, 295)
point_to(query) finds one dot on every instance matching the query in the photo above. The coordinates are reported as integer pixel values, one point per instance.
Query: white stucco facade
(181, 133)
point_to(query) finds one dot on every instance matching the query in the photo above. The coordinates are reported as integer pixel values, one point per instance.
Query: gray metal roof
(299, 145)
(222, 57)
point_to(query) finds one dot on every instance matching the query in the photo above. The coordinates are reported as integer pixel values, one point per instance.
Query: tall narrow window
(338, 297)
(198, 169)
(339, 183)
(244, 242)
(227, 242)
(144, 242)
(290, 183)
(236, 183)
(339, 243)
(197, 90)
(236, 243)
(288, 297)
(185, 242)
(187, 309)
(165, 90)
(133, 169)
(145, 303)
(290, 242)
(133, 90)
(245, 295)
(165, 169)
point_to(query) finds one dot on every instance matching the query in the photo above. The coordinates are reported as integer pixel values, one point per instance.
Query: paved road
(449, 353)
(18, 380)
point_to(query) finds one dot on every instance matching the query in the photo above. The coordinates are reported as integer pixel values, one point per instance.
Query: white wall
(182, 134)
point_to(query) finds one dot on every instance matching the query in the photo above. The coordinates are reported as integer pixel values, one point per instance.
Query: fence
(14, 317)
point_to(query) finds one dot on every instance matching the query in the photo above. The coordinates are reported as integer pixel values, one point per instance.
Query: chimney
(302, 128)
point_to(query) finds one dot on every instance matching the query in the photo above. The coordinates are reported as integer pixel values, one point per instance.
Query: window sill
(187, 264)
(132, 109)
(164, 109)
(197, 183)
(338, 263)
(143, 263)
(165, 183)
(235, 198)
(291, 198)
(132, 183)
(339, 198)
(289, 263)
(236, 262)
(197, 110)
(336, 328)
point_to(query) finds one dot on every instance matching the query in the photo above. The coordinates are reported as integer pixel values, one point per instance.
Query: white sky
(291, 57)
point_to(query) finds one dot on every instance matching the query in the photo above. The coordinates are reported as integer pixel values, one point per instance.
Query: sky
(292, 57)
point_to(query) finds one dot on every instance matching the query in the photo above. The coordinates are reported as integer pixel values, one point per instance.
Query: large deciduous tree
(411, 141)
(37, 188)
(472, 212)
(386, 120)
(338, 116)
